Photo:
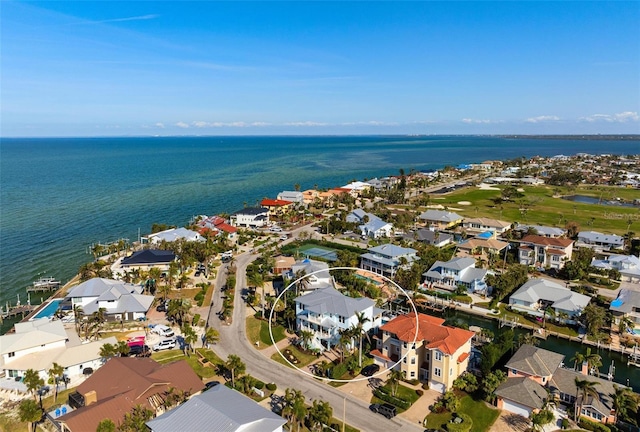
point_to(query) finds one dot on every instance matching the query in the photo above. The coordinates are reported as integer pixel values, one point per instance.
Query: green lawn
(258, 331)
(405, 393)
(171, 356)
(304, 358)
(482, 415)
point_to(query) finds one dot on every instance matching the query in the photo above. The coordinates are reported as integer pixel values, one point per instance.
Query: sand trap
(520, 190)
(485, 186)
(464, 202)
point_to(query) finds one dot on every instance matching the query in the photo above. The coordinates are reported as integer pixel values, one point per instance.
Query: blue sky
(83, 68)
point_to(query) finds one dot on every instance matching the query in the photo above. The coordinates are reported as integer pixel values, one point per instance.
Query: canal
(623, 374)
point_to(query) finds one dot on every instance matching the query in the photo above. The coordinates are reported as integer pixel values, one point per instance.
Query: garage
(439, 387)
(516, 408)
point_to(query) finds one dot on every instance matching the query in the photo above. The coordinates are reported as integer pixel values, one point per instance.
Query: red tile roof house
(216, 225)
(276, 206)
(532, 370)
(123, 383)
(544, 251)
(439, 355)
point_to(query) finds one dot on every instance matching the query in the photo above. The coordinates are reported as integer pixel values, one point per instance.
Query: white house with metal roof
(316, 274)
(251, 217)
(537, 295)
(598, 240)
(440, 219)
(326, 311)
(122, 301)
(386, 259)
(218, 409)
(457, 271)
(627, 265)
(171, 235)
(545, 231)
(370, 225)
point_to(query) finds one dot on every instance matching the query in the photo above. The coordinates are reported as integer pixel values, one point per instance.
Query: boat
(44, 284)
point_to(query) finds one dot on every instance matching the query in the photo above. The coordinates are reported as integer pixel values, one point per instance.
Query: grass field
(543, 209)
(258, 331)
(482, 415)
(170, 356)
(303, 358)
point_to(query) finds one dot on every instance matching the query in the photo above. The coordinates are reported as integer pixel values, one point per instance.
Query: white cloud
(623, 117)
(480, 121)
(133, 18)
(182, 125)
(541, 119)
(160, 125)
(305, 123)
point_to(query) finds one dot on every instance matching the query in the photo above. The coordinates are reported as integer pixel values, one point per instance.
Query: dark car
(370, 370)
(211, 384)
(385, 409)
(139, 351)
(162, 307)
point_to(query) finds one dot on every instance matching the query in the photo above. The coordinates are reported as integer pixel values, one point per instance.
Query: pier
(16, 311)
(44, 284)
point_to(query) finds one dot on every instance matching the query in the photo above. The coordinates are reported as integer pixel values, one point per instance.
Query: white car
(275, 229)
(165, 344)
(163, 330)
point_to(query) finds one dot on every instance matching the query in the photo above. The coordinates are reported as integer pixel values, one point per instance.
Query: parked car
(275, 229)
(165, 344)
(211, 384)
(162, 307)
(385, 409)
(370, 370)
(136, 341)
(163, 330)
(139, 351)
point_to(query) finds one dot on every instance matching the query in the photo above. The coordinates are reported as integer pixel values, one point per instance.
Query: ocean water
(60, 195)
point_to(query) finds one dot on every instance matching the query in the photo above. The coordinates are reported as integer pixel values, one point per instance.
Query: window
(413, 360)
(450, 371)
(341, 319)
(438, 356)
(437, 372)
(544, 380)
(405, 344)
(12, 354)
(413, 374)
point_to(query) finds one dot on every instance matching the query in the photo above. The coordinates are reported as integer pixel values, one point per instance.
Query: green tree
(594, 317)
(541, 418)
(624, 402)
(30, 412)
(106, 425)
(56, 373)
(491, 382)
(394, 378)
(306, 336)
(450, 401)
(294, 409)
(190, 336)
(107, 351)
(136, 419)
(360, 332)
(235, 366)
(122, 349)
(33, 381)
(584, 389)
(179, 310)
(319, 414)
(211, 336)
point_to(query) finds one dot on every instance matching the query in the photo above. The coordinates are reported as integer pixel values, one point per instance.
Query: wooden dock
(44, 284)
(17, 311)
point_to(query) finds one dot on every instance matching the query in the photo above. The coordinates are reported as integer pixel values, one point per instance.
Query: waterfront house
(250, 217)
(219, 409)
(537, 296)
(386, 259)
(627, 265)
(481, 225)
(317, 271)
(460, 271)
(326, 311)
(535, 374)
(121, 301)
(295, 197)
(540, 251)
(171, 235)
(217, 225)
(424, 349)
(627, 304)
(276, 207)
(147, 259)
(440, 219)
(430, 237)
(600, 241)
(39, 343)
(370, 225)
(122, 384)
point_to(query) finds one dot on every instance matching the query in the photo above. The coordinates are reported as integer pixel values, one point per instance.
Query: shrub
(400, 403)
(419, 392)
(451, 401)
(593, 426)
(460, 423)
(259, 385)
(565, 423)
(272, 386)
(196, 319)
(425, 386)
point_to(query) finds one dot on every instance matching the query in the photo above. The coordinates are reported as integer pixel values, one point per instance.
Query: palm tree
(33, 381)
(235, 365)
(255, 278)
(190, 336)
(584, 389)
(294, 409)
(395, 375)
(122, 349)
(179, 309)
(320, 414)
(345, 339)
(360, 332)
(625, 323)
(106, 425)
(30, 412)
(593, 360)
(578, 358)
(306, 336)
(211, 336)
(107, 351)
(624, 400)
(303, 282)
(56, 372)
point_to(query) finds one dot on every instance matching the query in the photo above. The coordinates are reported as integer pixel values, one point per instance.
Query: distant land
(576, 137)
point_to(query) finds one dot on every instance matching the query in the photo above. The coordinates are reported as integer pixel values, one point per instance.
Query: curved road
(233, 340)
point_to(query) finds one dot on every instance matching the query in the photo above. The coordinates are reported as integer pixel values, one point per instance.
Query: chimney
(584, 370)
(90, 397)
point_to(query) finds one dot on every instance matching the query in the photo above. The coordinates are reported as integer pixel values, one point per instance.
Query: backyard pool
(48, 310)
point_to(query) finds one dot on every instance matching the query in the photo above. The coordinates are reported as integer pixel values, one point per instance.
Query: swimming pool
(48, 310)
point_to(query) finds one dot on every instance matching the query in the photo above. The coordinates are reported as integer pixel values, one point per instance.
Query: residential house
(440, 219)
(370, 225)
(310, 196)
(535, 374)
(326, 312)
(295, 197)
(480, 225)
(538, 296)
(430, 237)
(627, 304)
(627, 265)
(250, 217)
(217, 225)
(171, 235)
(541, 230)
(386, 259)
(276, 207)
(282, 264)
(147, 259)
(455, 272)
(540, 251)
(357, 187)
(599, 241)
(218, 409)
(480, 246)
(122, 384)
(39, 343)
(424, 348)
(121, 301)
(316, 272)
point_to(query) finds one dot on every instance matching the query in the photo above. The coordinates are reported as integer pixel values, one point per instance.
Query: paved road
(233, 340)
